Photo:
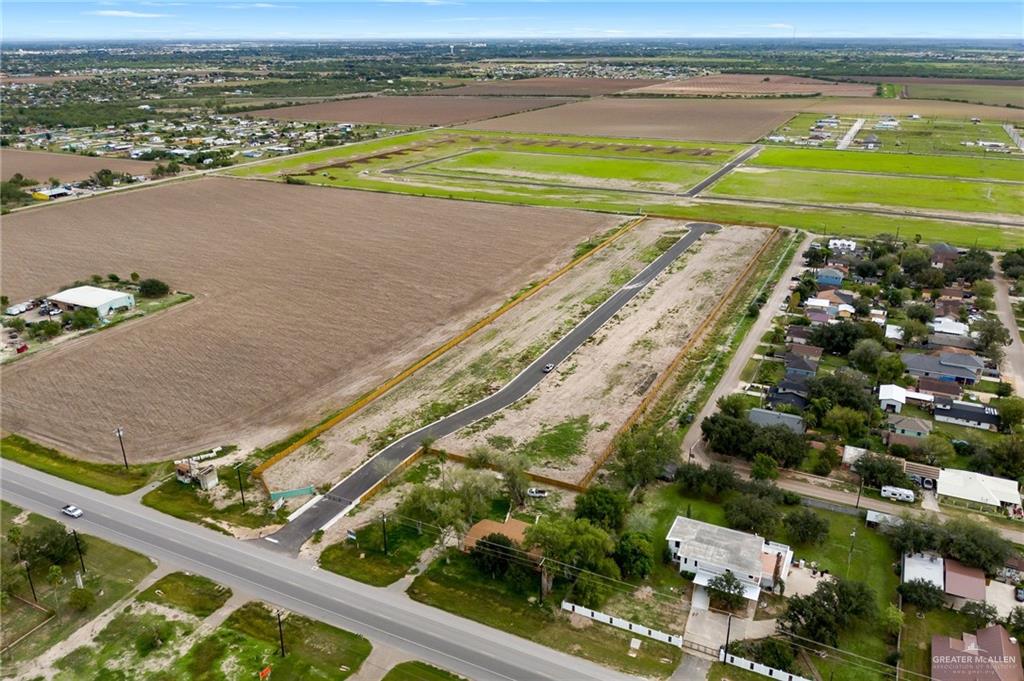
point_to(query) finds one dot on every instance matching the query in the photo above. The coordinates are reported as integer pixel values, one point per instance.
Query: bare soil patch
(603, 381)
(574, 87)
(42, 80)
(42, 165)
(921, 80)
(849, 106)
(757, 84)
(425, 110)
(714, 120)
(305, 298)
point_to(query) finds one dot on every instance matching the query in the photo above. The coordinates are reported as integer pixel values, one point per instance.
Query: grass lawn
(931, 136)
(458, 587)
(110, 478)
(111, 573)
(418, 671)
(721, 671)
(570, 169)
(918, 632)
(365, 560)
(248, 641)
(896, 164)
(820, 187)
(986, 387)
(559, 442)
(188, 502)
(193, 594)
(994, 95)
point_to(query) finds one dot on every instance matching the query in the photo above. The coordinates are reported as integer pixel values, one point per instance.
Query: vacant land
(566, 87)
(826, 188)
(716, 120)
(897, 164)
(42, 165)
(298, 290)
(759, 85)
(421, 110)
(565, 423)
(898, 107)
(993, 95)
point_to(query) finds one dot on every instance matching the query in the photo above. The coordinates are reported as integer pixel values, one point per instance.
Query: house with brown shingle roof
(986, 655)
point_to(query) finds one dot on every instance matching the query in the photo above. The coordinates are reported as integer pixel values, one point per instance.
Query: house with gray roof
(767, 417)
(946, 366)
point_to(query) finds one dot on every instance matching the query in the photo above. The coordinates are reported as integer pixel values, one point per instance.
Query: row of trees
(968, 542)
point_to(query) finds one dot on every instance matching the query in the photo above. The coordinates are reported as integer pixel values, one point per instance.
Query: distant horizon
(481, 20)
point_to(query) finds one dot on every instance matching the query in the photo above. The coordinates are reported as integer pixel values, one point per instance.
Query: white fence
(758, 668)
(620, 623)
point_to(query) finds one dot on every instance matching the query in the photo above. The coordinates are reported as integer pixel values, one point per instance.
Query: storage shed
(104, 301)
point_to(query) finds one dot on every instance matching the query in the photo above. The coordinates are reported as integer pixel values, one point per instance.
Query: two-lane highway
(343, 496)
(467, 648)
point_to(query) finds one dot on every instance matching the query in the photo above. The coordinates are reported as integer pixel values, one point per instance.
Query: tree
(602, 506)
(936, 450)
(922, 594)
(45, 330)
(764, 468)
(779, 443)
(991, 336)
(878, 471)
(574, 542)
(815, 257)
(975, 545)
(980, 613)
(971, 266)
(847, 423)
(892, 619)
(14, 538)
(751, 514)
(81, 599)
(828, 458)
(865, 355)
(493, 554)
(720, 478)
(839, 338)
(890, 368)
(728, 434)
(1015, 622)
(642, 453)
(52, 544)
(727, 590)
(55, 576)
(1005, 458)
(914, 330)
(134, 277)
(634, 555)
(153, 288)
(734, 405)
(984, 289)
(1011, 412)
(84, 318)
(843, 387)
(920, 312)
(833, 607)
(515, 480)
(804, 527)
(915, 260)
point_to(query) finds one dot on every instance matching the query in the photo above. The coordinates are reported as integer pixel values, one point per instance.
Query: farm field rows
(565, 87)
(897, 164)
(42, 165)
(994, 95)
(756, 85)
(424, 110)
(297, 291)
(804, 186)
(928, 108)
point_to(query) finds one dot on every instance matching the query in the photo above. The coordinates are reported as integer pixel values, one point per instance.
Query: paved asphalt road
(724, 170)
(346, 493)
(389, 618)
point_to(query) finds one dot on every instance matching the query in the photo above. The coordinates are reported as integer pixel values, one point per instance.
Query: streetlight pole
(238, 469)
(119, 432)
(31, 585)
(849, 556)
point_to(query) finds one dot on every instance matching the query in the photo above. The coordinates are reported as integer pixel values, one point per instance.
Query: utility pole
(540, 592)
(849, 556)
(31, 585)
(728, 632)
(78, 546)
(384, 529)
(119, 432)
(238, 469)
(859, 491)
(280, 631)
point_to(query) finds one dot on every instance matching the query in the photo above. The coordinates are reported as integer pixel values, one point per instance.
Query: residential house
(945, 340)
(937, 388)
(893, 398)
(812, 352)
(949, 326)
(944, 255)
(842, 245)
(969, 488)
(878, 316)
(791, 390)
(767, 417)
(963, 583)
(818, 317)
(852, 455)
(799, 335)
(708, 551)
(894, 332)
(970, 414)
(906, 430)
(946, 366)
(512, 529)
(800, 365)
(829, 276)
(927, 566)
(989, 654)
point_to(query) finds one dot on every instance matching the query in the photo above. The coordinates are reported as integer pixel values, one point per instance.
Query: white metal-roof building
(974, 488)
(928, 567)
(104, 301)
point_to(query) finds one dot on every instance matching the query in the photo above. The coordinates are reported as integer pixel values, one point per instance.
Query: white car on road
(537, 493)
(71, 511)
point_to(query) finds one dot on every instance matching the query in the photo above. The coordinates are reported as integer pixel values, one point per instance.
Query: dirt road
(731, 379)
(1013, 365)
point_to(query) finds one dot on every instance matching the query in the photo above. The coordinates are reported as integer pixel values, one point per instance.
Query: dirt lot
(757, 84)
(491, 358)
(305, 298)
(849, 106)
(419, 110)
(912, 80)
(601, 384)
(713, 120)
(41, 80)
(42, 165)
(568, 87)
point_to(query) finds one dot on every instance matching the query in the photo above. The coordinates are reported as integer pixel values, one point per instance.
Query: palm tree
(54, 577)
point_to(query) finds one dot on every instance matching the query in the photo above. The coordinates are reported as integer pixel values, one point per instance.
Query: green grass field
(193, 594)
(365, 561)
(814, 187)
(931, 135)
(897, 164)
(602, 171)
(418, 671)
(994, 95)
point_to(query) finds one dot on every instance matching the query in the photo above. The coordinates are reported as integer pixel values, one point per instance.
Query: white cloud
(125, 14)
(781, 27)
(256, 5)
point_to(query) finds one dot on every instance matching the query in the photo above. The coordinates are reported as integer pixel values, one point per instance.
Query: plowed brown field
(420, 110)
(850, 106)
(575, 87)
(754, 84)
(42, 165)
(713, 120)
(305, 298)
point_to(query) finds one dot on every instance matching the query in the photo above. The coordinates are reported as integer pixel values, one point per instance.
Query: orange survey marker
(265, 673)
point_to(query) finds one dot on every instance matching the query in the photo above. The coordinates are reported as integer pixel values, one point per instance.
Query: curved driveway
(347, 493)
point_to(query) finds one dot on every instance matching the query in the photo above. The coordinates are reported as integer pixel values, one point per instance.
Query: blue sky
(468, 19)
